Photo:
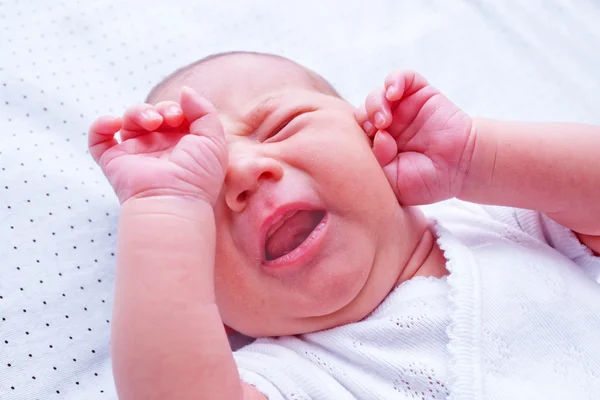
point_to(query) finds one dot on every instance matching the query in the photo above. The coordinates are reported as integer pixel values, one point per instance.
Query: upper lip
(275, 217)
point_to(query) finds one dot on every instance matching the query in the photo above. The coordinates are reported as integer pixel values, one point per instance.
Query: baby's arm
(553, 168)
(431, 150)
(168, 341)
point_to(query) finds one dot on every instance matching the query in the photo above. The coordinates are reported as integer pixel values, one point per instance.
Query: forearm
(553, 168)
(168, 341)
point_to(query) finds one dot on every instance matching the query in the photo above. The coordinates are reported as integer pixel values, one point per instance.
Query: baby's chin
(342, 304)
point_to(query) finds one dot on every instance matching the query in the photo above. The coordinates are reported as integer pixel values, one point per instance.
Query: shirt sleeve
(545, 229)
(504, 220)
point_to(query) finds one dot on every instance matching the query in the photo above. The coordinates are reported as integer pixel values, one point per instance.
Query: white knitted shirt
(517, 318)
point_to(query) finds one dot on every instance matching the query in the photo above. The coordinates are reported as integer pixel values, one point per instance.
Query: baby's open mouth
(290, 231)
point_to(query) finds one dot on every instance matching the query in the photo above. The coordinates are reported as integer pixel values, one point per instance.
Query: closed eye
(278, 133)
(282, 125)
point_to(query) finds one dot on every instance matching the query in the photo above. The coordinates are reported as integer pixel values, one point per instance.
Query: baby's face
(309, 233)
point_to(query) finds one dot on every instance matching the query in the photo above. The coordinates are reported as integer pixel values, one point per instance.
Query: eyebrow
(257, 114)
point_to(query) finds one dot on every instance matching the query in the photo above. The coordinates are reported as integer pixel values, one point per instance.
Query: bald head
(184, 75)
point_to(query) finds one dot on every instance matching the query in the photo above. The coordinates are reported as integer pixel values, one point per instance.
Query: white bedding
(64, 62)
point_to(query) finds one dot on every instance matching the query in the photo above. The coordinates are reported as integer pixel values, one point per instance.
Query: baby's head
(309, 232)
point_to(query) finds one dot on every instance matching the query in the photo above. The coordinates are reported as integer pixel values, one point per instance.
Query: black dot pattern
(65, 63)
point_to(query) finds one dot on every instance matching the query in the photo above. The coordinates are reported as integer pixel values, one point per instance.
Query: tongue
(292, 233)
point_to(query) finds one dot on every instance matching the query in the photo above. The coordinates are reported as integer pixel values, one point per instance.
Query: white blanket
(64, 63)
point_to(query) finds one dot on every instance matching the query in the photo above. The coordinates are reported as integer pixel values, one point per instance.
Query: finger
(101, 135)
(363, 120)
(202, 115)
(384, 147)
(407, 116)
(378, 109)
(360, 114)
(402, 83)
(171, 113)
(140, 119)
(395, 83)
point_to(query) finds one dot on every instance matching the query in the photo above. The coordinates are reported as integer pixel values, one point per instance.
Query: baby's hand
(423, 141)
(165, 150)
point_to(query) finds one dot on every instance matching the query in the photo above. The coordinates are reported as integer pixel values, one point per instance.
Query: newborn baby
(254, 198)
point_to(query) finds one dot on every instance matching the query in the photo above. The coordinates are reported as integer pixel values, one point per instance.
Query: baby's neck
(426, 260)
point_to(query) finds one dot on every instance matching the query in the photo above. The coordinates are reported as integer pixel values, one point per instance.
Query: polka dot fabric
(65, 62)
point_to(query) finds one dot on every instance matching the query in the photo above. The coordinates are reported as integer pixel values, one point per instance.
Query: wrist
(182, 207)
(480, 171)
(169, 240)
(160, 227)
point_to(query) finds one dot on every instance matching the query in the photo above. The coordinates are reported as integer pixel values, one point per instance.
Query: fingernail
(173, 110)
(151, 114)
(379, 119)
(391, 92)
(368, 127)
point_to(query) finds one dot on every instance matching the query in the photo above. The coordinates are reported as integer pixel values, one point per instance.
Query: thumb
(413, 178)
(391, 173)
(385, 147)
(202, 115)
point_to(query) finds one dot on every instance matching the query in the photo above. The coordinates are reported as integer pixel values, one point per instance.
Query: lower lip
(305, 252)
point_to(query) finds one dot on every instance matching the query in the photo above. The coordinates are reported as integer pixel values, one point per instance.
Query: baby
(254, 198)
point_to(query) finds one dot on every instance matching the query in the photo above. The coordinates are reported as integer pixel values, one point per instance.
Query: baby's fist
(169, 149)
(423, 141)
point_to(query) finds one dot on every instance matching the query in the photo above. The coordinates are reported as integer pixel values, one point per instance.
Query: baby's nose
(247, 169)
